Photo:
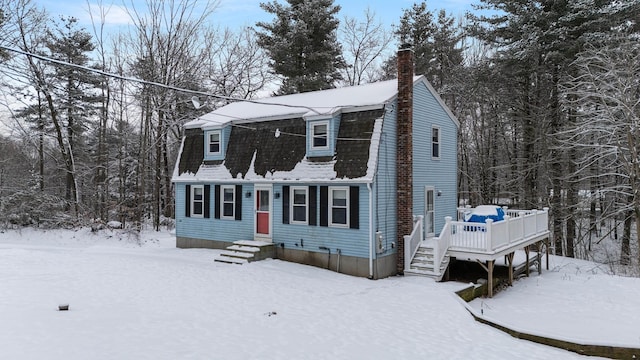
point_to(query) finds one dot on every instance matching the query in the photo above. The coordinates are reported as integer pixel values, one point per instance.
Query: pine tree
(75, 95)
(302, 44)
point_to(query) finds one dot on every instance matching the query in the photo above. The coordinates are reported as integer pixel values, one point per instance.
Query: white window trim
(439, 142)
(222, 202)
(331, 190)
(313, 135)
(192, 201)
(208, 145)
(306, 205)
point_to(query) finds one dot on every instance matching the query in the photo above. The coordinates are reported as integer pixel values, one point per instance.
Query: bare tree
(364, 43)
(238, 67)
(169, 49)
(607, 134)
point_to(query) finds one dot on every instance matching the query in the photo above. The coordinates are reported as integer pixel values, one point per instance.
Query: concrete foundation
(350, 265)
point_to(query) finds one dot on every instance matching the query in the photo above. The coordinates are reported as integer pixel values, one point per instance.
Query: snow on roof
(308, 104)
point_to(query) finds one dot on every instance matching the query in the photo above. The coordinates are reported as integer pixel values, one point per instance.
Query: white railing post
(535, 221)
(489, 222)
(507, 220)
(407, 252)
(524, 232)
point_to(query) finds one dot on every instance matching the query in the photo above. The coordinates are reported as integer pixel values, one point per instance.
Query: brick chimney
(404, 153)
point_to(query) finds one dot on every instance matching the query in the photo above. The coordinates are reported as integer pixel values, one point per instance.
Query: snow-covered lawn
(145, 299)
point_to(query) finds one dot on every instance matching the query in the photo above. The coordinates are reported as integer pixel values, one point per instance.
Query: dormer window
(214, 144)
(320, 135)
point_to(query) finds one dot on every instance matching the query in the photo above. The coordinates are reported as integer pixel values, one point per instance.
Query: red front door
(263, 215)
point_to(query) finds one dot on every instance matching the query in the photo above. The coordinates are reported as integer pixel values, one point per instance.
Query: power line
(183, 90)
(146, 82)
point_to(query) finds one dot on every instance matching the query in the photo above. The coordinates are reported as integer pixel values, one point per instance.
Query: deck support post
(539, 256)
(488, 267)
(547, 246)
(526, 251)
(490, 264)
(510, 262)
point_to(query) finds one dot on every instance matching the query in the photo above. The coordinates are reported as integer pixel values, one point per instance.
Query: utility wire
(188, 91)
(146, 82)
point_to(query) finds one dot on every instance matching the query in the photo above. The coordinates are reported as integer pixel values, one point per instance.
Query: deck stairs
(246, 251)
(422, 263)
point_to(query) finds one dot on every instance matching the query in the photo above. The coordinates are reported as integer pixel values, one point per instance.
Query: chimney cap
(406, 46)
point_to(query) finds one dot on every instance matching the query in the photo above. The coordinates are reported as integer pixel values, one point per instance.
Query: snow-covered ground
(141, 298)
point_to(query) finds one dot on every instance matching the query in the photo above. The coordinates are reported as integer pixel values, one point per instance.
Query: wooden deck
(486, 242)
(491, 240)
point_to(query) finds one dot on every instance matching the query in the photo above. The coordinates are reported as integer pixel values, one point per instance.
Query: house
(328, 178)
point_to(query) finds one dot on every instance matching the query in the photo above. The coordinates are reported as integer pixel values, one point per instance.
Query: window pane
(197, 193)
(299, 213)
(339, 197)
(197, 208)
(320, 135)
(214, 142)
(263, 201)
(228, 195)
(436, 150)
(339, 215)
(299, 196)
(227, 209)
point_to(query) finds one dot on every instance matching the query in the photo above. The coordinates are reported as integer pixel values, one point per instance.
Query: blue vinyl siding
(211, 228)
(384, 187)
(440, 173)
(351, 242)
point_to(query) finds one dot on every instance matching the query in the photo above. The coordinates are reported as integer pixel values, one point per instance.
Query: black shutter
(238, 200)
(285, 204)
(216, 200)
(187, 201)
(324, 206)
(313, 205)
(354, 207)
(207, 201)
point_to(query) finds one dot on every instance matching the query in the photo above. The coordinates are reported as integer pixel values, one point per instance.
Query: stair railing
(412, 242)
(441, 245)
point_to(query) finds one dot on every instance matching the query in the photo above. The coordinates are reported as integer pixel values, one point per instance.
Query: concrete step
(252, 243)
(242, 248)
(237, 254)
(230, 260)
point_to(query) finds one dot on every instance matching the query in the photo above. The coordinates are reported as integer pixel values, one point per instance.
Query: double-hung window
(228, 201)
(299, 205)
(197, 201)
(435, 142)
(320, 135)
(339, 206)
(214, 143)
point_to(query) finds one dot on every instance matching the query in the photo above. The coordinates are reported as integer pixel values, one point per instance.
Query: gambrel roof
(268, 137)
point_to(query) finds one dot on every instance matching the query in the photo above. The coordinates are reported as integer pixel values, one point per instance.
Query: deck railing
(517, 226)
(412, 242)
(441, 244)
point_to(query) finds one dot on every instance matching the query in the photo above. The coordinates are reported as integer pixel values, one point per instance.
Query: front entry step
(245, 251)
